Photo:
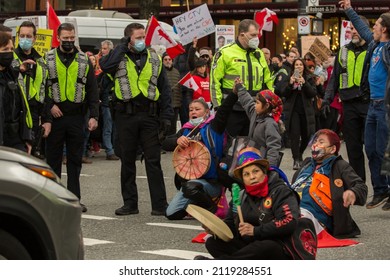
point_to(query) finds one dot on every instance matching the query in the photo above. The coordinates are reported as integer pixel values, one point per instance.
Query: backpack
(302, 244)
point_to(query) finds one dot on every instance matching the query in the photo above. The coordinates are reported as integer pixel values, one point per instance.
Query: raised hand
(345, 4)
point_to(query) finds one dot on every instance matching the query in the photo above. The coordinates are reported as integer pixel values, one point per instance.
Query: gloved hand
(165, 126)
(325, 108)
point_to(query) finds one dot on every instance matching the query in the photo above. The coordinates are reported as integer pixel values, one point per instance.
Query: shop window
(289, 35)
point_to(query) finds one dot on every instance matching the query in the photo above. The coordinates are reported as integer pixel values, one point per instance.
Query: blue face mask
(196, 121)
(139, 45)
(25, 43)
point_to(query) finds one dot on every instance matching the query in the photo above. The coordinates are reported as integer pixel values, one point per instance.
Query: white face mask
(253, 43)
(196, 121)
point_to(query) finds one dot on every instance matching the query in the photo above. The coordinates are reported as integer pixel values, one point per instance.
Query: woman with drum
(199, 148)
(270, 215)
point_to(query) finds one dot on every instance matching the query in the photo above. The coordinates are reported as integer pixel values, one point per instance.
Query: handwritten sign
(320, 50)
(307, 42)
(43, 41)
(194, 23)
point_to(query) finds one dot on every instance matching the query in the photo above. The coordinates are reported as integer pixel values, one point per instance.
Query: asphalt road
(145, 237)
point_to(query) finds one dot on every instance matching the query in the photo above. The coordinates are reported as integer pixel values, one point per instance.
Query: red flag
(188, 81)
(266, 19)
(156, 35)
(52, 23)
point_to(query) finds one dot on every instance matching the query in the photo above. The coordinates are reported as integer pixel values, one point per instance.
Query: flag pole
(188, 6)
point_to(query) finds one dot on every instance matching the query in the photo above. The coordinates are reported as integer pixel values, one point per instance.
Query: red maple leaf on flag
(156, 35)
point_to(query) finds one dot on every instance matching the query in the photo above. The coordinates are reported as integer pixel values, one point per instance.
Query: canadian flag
(188, 81)
(266, 19)
(156, 35)
(52, 23)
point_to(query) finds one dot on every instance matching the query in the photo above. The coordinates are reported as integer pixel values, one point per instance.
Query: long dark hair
(4, 38)
(305, 72)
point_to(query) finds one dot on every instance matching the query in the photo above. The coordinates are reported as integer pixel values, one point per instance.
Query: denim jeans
(375, 139)
(179, 202)
(107, 132)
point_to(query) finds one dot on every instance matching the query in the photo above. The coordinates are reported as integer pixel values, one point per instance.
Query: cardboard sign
(320, 50)
(194, 23)
(308, 41)
(224, 34)
(43, 41)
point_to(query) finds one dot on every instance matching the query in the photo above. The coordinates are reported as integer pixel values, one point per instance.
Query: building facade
(226, 12)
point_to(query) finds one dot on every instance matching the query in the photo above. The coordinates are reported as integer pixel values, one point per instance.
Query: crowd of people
(133, 96)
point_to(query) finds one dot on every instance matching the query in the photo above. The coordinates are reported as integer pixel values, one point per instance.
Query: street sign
(321, 9)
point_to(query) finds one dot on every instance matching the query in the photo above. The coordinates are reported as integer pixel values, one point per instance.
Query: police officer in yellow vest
(71, 91)
(142, 104)
(241, 59)
(15, 116)
(345, 79)
(33, 69)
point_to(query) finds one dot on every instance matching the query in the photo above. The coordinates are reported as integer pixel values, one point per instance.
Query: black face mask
(67, 46)
(275, 66)
(6, 59)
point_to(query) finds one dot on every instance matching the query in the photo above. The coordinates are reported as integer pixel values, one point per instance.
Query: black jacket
(274, 216)
(109, 64)
(91, 93)
(343, 224)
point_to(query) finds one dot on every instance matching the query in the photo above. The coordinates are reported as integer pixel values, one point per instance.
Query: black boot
(195, 192)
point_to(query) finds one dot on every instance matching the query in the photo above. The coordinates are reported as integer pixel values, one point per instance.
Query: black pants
(353, 130)
(238, 124)
(298, 135)
(67, 130)
(239, 250)
(11, 137)
(36, 109)
(142, 129)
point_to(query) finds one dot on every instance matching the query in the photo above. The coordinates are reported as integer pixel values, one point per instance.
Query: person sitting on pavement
(329, 186)
(206, 190)
(270, 212)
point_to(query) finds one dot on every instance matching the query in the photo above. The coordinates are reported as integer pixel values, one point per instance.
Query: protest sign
(224, 34)
(194, 23)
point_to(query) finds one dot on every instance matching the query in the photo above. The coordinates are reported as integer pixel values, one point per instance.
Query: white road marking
(180, 254)
(81, 175)
(145, 177)
(91, 242)
(93, 217)
(171, 225)
(88, 175)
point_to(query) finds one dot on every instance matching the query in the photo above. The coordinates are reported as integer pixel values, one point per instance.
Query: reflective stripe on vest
(37, 85)
(22, 86)
(243, 64)
(351, 68)
(63, 83)
(129, 83)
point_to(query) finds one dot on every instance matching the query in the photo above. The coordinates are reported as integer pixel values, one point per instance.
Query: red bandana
(259, 189)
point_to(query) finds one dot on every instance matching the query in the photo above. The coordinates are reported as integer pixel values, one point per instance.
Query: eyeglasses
(307, 59)
(204, 56)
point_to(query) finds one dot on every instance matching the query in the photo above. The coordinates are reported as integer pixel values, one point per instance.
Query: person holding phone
(299, 110)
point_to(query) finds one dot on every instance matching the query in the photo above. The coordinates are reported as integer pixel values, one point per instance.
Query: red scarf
(259, 189)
